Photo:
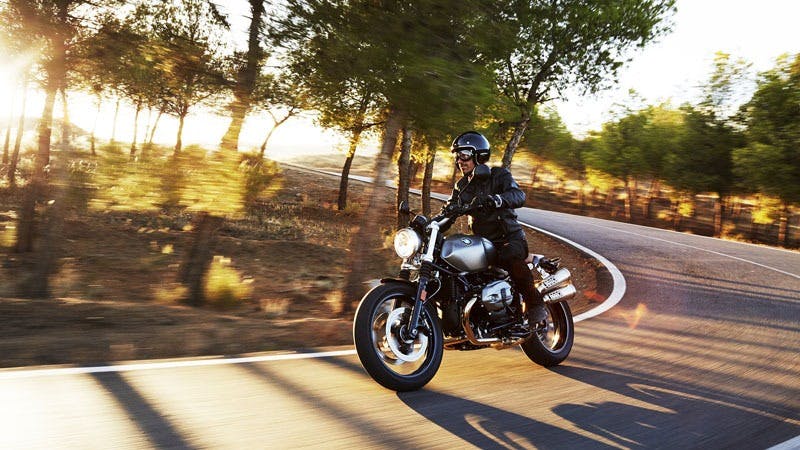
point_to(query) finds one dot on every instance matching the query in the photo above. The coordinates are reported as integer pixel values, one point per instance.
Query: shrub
(224, 285)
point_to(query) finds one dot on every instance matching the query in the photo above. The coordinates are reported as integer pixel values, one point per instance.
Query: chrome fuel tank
(468, 253)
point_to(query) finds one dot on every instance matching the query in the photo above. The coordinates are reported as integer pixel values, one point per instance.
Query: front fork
(425, 272)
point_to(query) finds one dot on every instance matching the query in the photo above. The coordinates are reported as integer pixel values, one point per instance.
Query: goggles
(464, 154)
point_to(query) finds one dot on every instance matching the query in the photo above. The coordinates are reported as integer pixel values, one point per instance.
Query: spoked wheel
(383, 342)
(552, 341)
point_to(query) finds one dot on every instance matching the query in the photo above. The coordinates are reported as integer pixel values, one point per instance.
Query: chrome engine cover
(496, 295)
(468, 253)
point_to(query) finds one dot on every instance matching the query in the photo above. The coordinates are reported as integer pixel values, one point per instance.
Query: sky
(669, 69)
(673, 67)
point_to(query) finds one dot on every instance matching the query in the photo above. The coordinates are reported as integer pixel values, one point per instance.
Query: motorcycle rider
(494, 200)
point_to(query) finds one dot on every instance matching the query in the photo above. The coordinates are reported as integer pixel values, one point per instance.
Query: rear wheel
(552, 342)
(388, 354)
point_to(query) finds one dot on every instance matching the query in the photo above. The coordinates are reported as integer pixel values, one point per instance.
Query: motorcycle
(449, 295)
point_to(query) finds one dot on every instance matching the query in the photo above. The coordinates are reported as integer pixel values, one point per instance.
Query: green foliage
(258, 174)
(538, 49)
(548, 137)
(358, 58)
(770, 163)
(222, 183)
(618, 149)
(703, 162)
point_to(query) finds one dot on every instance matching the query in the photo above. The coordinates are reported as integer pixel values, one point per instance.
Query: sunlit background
(669, 70)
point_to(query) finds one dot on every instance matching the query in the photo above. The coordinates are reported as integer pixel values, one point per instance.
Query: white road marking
(620, 285)
(15, 374)
(764, 266)
(791, 444)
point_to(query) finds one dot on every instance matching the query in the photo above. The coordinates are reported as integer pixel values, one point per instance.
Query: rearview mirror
(403, 208)
(481, 172)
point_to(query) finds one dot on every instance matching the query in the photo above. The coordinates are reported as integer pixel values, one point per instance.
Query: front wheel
(387, 353)
(551, 343)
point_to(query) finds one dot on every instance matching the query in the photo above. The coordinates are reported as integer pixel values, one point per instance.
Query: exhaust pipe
(554, 281)
(558, 295)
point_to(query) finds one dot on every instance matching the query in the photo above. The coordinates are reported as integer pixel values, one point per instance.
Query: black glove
(449, 209)
(486, 202)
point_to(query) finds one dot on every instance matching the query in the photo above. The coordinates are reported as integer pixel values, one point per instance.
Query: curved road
(703, 351)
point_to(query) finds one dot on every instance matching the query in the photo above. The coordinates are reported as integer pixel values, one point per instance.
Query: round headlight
(406, 242)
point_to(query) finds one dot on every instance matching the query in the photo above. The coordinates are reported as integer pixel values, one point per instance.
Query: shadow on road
(153, 424)
(672, 414)
(488, 427)
(482, 425)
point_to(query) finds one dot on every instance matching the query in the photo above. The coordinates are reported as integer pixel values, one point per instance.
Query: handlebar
(452, 213)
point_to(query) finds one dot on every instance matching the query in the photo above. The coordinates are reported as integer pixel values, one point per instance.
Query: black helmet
(472, 140)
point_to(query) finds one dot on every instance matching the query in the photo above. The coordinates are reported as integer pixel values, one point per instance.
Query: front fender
(397, 280)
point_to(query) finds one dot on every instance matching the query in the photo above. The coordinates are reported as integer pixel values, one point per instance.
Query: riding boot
(523, 279)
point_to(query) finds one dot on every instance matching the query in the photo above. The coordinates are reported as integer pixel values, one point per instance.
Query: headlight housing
(406, 242)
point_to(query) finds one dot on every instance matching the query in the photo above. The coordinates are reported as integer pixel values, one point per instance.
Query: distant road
(703, 351)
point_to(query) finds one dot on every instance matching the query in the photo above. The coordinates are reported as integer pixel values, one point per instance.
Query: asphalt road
(703, 351)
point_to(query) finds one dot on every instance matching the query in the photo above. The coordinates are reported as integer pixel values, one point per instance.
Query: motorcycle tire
(406, 367)
(550, 345)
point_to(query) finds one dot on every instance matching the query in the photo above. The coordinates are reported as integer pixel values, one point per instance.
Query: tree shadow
(482, 425)
(488, 427)
(676, 415)
(153, 424)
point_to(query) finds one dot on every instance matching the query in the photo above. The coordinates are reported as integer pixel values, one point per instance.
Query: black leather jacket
(499, 224)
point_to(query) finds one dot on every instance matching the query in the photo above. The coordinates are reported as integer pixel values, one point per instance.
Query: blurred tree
(770, 162)
(419, 66)
(617, 151)
(282, 95)
(702, 160)
(540, 48)
(663, 135)
(56, 26)
(187, 44)
(333, 71)
(247, 69)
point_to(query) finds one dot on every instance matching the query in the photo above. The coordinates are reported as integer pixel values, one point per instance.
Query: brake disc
(416, 348)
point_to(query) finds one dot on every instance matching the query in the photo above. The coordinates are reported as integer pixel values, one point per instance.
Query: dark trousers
(511, 257)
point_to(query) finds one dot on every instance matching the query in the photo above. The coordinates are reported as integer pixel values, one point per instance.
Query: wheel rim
(398, 355)
(553, 335)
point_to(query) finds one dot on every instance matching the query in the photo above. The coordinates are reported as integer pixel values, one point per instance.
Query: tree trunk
(135, 130)
(179, 141)
(718, 211)
(676, 214)
(27, 226)
(403, 172)
(652, 193)
(92, 138)
(7, 143)
(37, 284)
(366, 238)
(275, 125)
(246, 79)
(114, 124)
(12, 168)
(348, 162)
(783, 225)
(628, 199)
(427, 179)
(66, 127)
(199, 257)
(153, 130)
(519, 132)
(266, 139)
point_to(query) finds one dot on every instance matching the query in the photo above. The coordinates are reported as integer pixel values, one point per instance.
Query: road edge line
(620, 285)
